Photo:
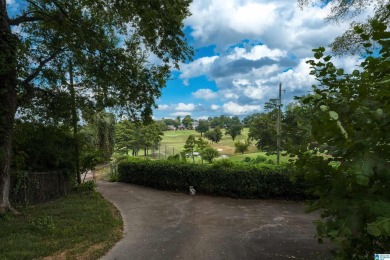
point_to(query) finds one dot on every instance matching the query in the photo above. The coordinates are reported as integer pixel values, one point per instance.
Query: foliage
(187, 122)
(86, 186)
(214, 135)
(209, 154)
(102, 125)
(223, 178)
(42, 148)
(203, 127)
(87, 56)
(175, 157)
(296, 125)
(189, 146)
(234, 130)
(351, 115)
(113, 176)
(263, 129)
(43, 224)
(135, 136)
(258, 160)
(241, 147)
(79, 226)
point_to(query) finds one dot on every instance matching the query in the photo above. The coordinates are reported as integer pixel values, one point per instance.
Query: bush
(86, 186)
(238, 181)
(175, 157)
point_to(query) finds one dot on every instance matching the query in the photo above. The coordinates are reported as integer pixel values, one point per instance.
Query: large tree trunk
(8, 103)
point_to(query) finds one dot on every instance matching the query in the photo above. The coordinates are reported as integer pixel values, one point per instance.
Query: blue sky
(243, 49)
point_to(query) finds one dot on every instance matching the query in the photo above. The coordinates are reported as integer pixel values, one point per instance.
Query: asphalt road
(167, 225)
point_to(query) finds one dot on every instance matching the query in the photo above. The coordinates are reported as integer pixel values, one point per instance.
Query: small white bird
(192, 191)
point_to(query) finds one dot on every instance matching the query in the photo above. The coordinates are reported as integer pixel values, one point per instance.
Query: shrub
(175, 157)
(86, 186)
(222, 178)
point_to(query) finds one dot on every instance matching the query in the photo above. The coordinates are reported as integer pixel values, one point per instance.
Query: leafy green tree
(189, 146)
(150, 136)
(171, 122)
(96, 141)
(214, 135)
(263, 129)
(187, 122)
(241, 147)
(94, 41)
(209, 154)
(247, 120)
(123, 136)
(353, 181)
(296, 125)
(234, 130)
(40, 147)
(220, 121)
(103, 125)
(200, 145)
(203, 127)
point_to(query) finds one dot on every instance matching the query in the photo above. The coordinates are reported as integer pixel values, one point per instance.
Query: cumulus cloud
(258, 44)
(232, 108)
(276, 23)
(205, 94)
(185, 107)
(214, 107)
(163, 107)
(196, 68)
(180, 113)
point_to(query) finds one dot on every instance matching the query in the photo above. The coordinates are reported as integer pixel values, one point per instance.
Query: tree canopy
(99, 49)
(351, 115)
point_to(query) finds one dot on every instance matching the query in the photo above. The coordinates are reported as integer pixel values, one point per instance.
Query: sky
(243, 49)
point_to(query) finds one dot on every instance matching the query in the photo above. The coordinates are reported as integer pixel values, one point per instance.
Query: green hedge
(238, 181)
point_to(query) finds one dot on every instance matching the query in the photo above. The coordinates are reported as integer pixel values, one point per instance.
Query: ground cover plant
(80, 225)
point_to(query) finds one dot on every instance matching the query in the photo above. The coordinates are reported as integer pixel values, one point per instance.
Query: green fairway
(173, 142)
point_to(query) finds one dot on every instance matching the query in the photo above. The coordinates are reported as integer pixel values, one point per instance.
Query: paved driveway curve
(166, 225)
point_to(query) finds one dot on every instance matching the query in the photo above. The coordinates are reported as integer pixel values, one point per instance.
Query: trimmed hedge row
(238, 181)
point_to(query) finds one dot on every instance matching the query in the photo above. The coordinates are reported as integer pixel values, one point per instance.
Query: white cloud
(196, 68)
(246, 18)
(185, 107)
(256, 53)
(277, 23)
(233, 108)
(205, 94)
(202, 117)
(180, 113)
(215, 107)
(163, 107)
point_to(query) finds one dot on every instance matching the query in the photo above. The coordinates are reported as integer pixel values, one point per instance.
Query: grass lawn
(78, 226)
(176, 140)
(173, 142)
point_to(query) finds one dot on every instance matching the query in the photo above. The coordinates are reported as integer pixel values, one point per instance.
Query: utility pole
(279, 123)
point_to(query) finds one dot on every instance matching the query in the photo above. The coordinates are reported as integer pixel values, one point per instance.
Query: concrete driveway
(167, 225)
